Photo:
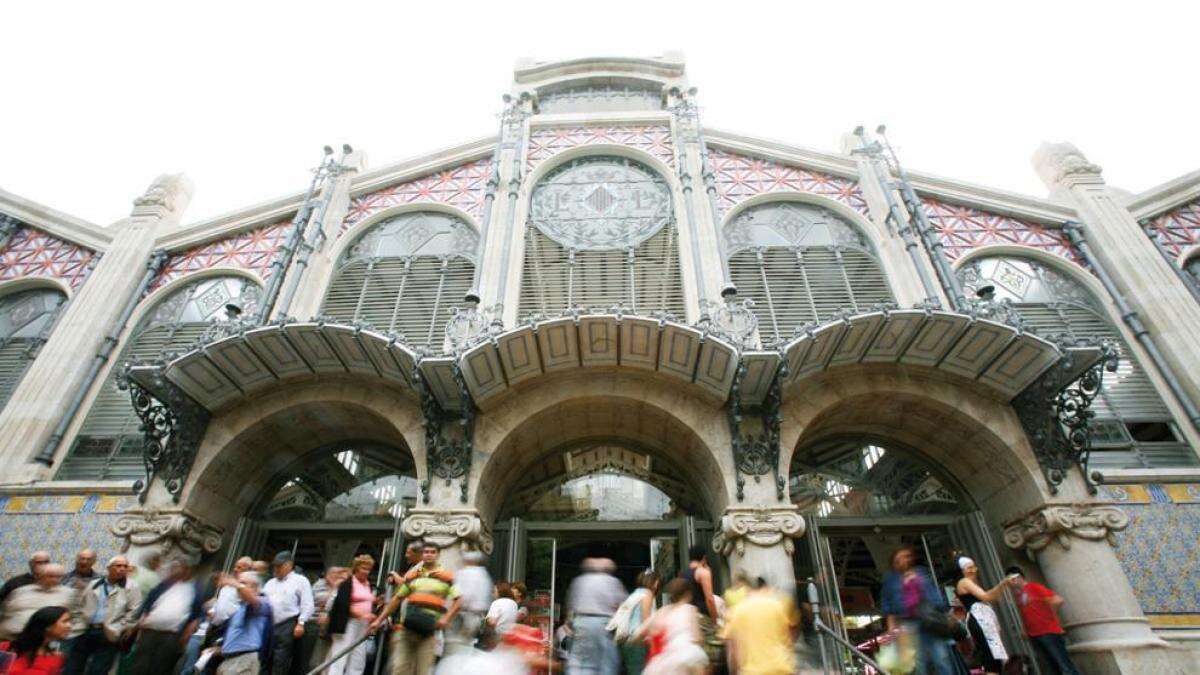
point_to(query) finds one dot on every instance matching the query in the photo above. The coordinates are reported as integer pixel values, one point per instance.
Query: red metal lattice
(462, 187)
(33, 253)
(739, 177)
(252, 250)
(655, 139)
(963, 228)
(1179, 228)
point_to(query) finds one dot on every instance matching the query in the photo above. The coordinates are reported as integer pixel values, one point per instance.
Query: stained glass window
(26, 318)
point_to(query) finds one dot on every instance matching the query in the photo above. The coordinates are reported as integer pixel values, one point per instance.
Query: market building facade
(610, 329)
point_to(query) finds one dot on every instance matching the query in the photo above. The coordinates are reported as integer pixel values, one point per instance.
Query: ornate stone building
(609, 328)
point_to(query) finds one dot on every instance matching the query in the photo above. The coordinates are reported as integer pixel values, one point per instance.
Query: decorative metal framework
(462, 187)
(172, 426)
(962, 229)
(546, 142)
(32, 253)
(608, 95)
(739, 177)
(1177, 230)
(756, 452)
(26, 318)
(449, 437)
(252, 250)
(402, 275)
(601, 233)
(800, 264)
(1133, 426)
(109, 443)
(1056, 414)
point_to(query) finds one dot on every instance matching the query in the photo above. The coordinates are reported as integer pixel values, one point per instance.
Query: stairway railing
(814, 598)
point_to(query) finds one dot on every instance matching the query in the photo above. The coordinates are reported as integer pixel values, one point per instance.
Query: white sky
(241, 96)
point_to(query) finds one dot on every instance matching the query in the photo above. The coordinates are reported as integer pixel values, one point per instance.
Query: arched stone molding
(866, 227)
(348, 238)
(557, 411)
(1098, 292)
(31, 283)
(1188, 255)
(249, 444)
(516, 241)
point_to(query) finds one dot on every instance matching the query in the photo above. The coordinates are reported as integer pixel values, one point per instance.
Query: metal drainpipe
(312, 238)
(283, 259)
(153, 266)
(933, 245)
(1188, 280)
(485, 221)
(1075, 233)
(903, 227)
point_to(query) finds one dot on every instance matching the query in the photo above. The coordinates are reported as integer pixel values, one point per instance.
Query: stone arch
(860, 222)
(975, 438)
(153, 298)
(1058, 264)
(557, 411)
(34, 283)
(247, 446)
(346, 239)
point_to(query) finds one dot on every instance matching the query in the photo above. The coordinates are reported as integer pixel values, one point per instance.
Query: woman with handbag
(917, 609)
(630, 616)
(350, 617)
(982, 621)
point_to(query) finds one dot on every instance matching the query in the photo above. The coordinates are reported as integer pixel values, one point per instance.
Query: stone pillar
(758, 540)
(1073, 546)
(454, 531)
(316, 273)
(59, 375)
(145, 532)
(1147, 281)
(499, 278)
(698, 223)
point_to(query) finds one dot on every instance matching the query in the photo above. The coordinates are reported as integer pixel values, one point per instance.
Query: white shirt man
(291, 600)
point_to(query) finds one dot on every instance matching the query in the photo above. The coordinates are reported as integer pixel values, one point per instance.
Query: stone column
(696, 217)
(1147, 281)
(1073, 546)
(499, 278)
(759, 540)
(319, 266)
(454, 531)
(59, 375)
(146, 531)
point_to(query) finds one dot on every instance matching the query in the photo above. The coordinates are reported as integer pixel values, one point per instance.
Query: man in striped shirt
(433, 602)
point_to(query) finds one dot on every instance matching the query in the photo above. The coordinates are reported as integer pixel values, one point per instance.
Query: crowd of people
(162, 618)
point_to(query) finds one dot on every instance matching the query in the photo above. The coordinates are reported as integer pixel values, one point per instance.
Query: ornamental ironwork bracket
(173, 424)
(756, 455)
(449, 436)
(1056, 413)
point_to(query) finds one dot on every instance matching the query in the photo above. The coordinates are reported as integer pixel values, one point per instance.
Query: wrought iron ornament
(1056, 415)
(756, 455)
(449, 437)
(172, 428)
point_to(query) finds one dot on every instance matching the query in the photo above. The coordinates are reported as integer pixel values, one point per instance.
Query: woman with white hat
(981, 618)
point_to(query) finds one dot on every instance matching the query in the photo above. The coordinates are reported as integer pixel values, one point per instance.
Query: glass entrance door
(541, 578)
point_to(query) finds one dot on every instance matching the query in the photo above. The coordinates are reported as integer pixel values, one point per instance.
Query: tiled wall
(61, 524)
(1160, 550)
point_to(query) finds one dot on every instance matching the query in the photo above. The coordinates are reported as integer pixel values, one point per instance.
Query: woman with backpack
(630, 616)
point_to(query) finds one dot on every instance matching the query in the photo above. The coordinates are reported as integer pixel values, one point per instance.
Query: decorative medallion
(600, 204)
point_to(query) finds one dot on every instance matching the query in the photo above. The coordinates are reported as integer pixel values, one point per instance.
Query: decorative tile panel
(1177, 229)
(963, 228)
(462, 187)
(252, 250)
(60, 524)
(739, 177)
(33, 253)
(1164, 570)
(655, 139)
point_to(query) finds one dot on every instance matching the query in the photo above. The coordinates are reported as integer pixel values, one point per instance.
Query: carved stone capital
(1058, 163)
(1062, 523)
(761, 526)
(444, 529)
(166, 532)
(168, 193)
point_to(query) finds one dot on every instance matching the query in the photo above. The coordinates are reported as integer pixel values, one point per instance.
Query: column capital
(168, 195)
(1062, 523)
(446, 528)
(1062, 164)
(166, 530)
(763, 526)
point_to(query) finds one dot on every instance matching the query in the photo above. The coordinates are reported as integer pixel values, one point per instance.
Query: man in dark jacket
(168, 617)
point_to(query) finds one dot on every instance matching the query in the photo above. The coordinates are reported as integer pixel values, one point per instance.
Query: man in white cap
(292, 604)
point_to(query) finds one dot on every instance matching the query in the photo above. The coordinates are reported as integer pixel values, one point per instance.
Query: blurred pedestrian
(246, 647)
(502, 614)
(760, 631)
(594, 597)
(34, 645)
(46, 591)
(101, 614)
(475, 586)
(324, 593)
(1039, 611)
(350, 618)
(913, 604)
(699, 576)
(169, 615)
(36, 560)
(674, 634)
(635, 611)
(291, 605)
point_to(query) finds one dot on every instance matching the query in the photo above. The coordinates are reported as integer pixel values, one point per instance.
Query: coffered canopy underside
(996, 357)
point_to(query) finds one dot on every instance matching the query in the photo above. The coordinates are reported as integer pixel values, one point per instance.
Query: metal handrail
(342, 654)
(814, 599)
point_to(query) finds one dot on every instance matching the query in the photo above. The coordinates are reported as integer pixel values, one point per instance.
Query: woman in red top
(32, 647)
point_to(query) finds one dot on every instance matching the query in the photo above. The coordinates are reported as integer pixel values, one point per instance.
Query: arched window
(601, 233)
(800, 264)
(1133, 427)
(26, 318)
(404, 274)
(109, 444)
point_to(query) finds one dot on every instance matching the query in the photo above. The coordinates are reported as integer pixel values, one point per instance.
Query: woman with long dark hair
(34, 654)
